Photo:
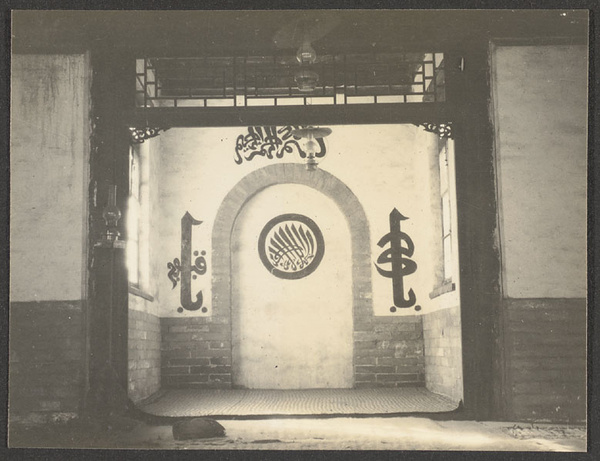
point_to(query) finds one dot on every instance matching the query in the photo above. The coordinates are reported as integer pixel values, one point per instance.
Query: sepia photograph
(299, 229)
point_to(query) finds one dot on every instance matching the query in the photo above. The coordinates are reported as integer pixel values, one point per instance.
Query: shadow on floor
(372, 433)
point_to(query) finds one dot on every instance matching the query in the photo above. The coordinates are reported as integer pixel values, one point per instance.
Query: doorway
(292, 332)
(267, 335)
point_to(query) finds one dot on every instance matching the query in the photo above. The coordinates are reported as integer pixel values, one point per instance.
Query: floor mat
(192, 402)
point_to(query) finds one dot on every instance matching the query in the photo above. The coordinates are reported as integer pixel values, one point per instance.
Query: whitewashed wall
(540, 97)
(385, 166)
(49, 176)
(292, 334)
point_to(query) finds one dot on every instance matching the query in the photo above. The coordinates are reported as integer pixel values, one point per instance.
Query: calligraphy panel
(291, 246)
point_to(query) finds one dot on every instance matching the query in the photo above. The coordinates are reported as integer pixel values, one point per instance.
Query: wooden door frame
(467, 93)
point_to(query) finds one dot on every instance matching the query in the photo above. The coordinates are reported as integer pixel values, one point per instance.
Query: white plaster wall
(540, 100)
(49, 168)
(195, 174)
(386, 166)
(292, 334)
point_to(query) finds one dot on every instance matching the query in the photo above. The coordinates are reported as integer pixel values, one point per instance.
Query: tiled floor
(191, 402)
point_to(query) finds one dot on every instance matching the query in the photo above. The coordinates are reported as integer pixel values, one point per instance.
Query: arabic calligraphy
(398, 255)
(174, 271)
(182, 271)
(199, 266)
(291, 246)
(271, 142)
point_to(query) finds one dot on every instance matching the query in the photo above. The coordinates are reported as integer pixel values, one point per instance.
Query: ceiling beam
(228, 33)
(288, 115)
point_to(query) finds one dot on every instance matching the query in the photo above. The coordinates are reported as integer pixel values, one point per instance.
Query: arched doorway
(324, 185)
(291, 328)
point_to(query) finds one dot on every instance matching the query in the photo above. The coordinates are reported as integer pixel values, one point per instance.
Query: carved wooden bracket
(443, 130)
(139, 135)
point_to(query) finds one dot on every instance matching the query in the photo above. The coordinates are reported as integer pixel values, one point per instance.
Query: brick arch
(285, 173)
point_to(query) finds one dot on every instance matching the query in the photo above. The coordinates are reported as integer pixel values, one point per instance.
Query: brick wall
(196, 353)
(443, 352)
(144, 355)
(388, 351)
(46, 359)
(545, 356)
(49, 173)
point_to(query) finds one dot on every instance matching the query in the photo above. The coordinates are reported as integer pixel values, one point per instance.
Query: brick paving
(193, 402)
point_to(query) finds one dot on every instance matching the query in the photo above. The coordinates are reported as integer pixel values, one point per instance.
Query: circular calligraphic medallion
(291, 246)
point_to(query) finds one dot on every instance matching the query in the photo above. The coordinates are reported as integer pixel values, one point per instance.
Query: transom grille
(270, 81)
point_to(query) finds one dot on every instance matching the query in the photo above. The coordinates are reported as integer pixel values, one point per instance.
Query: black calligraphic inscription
(186, 264)
(398, 255)
(271, 142)
(174, 271)
(291, 246)
(199, 266)
(183, 270)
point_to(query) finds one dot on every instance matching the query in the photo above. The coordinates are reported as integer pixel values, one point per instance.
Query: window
(138, 220)
(446, 211)
(447, 239)
(245, 81)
